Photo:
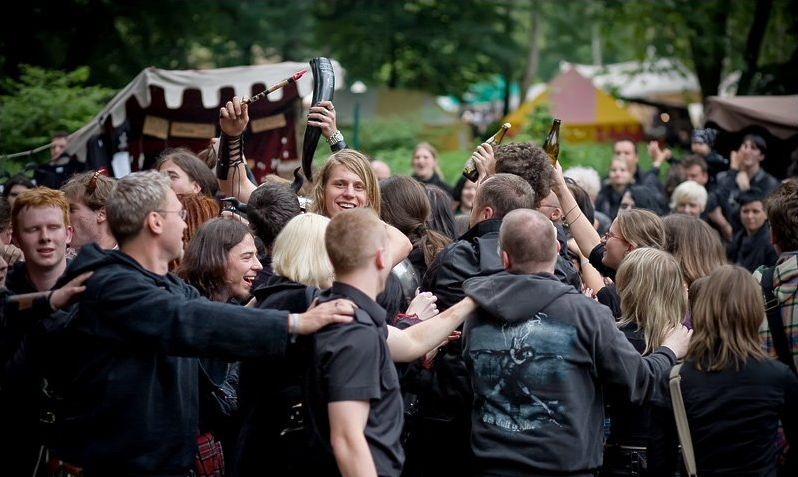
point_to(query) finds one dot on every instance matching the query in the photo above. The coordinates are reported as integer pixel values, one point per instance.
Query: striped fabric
(785, 288)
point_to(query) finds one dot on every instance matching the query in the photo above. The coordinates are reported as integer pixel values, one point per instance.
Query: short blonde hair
(651, 288)
(299, 252)
(353, 238)
(355, 162)
(689, 191)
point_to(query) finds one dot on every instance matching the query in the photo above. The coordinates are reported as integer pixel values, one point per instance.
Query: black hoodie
(538, 353)
(129, 369)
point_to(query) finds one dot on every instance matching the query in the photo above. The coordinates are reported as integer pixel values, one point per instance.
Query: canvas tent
(665, 81)
(180, 108)
(777, 114)
(588, 114)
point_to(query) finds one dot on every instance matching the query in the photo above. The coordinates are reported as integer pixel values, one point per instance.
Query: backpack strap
(775, 321)
(683, 427)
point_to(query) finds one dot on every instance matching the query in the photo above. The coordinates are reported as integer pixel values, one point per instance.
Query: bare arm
(347, 422)
(581, 229)
(233, 120)
(399, 244)
(590, 276)
(414, 342)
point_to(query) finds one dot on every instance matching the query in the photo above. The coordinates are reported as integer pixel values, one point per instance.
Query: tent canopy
(587, 113)
(777, 114)
(179, 108)
(665, 80)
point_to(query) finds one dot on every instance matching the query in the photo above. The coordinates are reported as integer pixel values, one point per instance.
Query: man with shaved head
(538, 353)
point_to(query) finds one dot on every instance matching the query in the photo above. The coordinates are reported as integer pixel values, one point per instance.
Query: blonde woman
(654, 302)
(630, 230)
(733, 393)
(269, 391)
(653, 295)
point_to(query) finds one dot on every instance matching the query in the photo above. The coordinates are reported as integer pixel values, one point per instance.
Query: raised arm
(231, 171)
(414, 342)
(580, 228)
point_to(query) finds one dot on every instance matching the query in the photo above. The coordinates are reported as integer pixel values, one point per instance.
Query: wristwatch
(335, 138)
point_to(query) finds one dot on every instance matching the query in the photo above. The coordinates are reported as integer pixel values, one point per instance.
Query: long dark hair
(205, 260)
(405, 206)
(442, 218)
(193, 166)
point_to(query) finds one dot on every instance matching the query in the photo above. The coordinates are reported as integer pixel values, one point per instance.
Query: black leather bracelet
(338, 146)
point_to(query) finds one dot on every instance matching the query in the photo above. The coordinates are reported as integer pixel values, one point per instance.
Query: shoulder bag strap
(775, 321)
(682, 425)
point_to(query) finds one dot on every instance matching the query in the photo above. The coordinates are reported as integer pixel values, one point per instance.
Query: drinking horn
(323, 86)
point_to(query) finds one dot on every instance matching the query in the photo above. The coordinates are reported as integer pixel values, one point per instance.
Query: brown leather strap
(682, 425)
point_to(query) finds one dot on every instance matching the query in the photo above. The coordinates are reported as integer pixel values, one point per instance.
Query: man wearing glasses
(128, 371)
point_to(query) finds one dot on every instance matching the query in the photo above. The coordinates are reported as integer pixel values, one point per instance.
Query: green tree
(441, 47)
(43, 101)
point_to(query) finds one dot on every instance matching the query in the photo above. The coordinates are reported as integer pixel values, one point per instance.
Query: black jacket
(436, 181)
(609, 200)
(539, 353)
(128, 368)
(752, 251)
(474, 255)
(727, 192)
(269, 392)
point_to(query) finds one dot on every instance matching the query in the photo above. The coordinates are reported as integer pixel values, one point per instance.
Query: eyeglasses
(180, 213)
(610, 235)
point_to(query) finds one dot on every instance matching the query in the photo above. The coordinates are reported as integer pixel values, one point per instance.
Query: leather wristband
(230, 153)
(335, 138)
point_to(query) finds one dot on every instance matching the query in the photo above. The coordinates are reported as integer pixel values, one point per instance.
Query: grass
(595, 155)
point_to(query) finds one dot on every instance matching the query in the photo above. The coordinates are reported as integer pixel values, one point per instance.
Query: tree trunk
(533, 57)
(752, 46)
(596, 44)
(708, 43)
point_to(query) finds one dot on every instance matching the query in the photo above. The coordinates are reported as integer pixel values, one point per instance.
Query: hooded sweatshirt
(538, 353)
(127, 365)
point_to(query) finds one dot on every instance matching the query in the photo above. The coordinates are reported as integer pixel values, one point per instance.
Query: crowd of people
(371, 324)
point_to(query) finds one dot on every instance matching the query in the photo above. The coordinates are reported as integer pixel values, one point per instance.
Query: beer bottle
(552, 143)
(470, 170)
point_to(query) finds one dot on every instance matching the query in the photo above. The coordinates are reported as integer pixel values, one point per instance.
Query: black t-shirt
(352, 363)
